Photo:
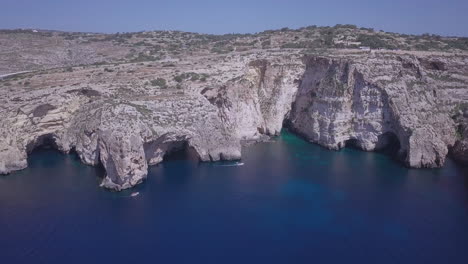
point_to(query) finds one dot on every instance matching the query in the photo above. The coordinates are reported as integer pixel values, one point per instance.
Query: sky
(449, 17)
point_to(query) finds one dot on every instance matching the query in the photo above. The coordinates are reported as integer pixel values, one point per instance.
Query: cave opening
(389, 144)
(180, 151)
(46, 141)
(352, 143)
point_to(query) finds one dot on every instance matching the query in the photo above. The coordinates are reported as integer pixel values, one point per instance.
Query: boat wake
(230, 165)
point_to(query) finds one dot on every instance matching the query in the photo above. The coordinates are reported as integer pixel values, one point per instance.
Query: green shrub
(193, 76)
(266, 44)
(375, 42)
(203, 77)
(161, 82)
(178, 78)
(222, 47)
(299, 45)
(143, 57)
(459, 43)
(345, 26)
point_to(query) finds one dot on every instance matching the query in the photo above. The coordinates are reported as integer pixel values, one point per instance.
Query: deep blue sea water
(290, 202)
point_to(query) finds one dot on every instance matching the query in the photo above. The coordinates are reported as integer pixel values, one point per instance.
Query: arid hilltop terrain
(126, 100)
(23, 50)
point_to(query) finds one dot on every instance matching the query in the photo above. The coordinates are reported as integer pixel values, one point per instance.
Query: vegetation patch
(192, 76)
(160, 82)
(86, 92)
(42, 110)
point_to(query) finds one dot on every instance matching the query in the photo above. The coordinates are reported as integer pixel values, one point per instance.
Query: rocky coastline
(128, 116)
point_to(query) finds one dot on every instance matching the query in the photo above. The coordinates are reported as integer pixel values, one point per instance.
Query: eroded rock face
(374, 102)
(124, 136)
(117, 118)
(343, 99)
(256, 104)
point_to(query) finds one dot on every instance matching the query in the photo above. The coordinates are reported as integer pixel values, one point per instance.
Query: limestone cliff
(129, 116)
(255, 104)
(366, 103)
(372, 101)
(125, 136)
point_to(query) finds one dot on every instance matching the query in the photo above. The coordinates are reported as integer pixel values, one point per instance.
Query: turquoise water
(290, 202)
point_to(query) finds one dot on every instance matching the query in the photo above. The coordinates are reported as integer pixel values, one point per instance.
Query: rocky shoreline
(126, 118)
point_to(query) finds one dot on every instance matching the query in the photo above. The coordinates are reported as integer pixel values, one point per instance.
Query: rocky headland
(126, 101)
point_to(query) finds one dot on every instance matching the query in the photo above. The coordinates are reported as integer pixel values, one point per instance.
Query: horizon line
(233, 33)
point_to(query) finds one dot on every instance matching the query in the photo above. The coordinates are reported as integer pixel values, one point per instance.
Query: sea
(286, 201)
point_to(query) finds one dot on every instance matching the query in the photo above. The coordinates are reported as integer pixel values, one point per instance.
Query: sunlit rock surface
(129, 114)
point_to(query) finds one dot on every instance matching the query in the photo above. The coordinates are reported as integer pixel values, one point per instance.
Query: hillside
(23, 50)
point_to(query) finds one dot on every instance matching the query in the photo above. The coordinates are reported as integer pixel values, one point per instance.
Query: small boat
(134, 194)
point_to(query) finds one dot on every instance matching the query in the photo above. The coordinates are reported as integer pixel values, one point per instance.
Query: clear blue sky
(449, 17)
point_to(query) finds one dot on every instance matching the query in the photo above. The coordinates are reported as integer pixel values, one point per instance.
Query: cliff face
(125, 136)
(115, 116)
(366, 103)
(460, 150)
(255, 104)
(376, 101)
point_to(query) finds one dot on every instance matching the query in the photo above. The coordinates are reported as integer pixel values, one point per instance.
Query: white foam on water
(230, 165)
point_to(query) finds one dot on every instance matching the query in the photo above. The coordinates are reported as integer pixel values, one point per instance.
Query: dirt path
(12, 74)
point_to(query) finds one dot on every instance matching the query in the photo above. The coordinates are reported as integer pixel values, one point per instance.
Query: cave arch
(352, 143)
(180, 150)
(387, 143)
(167, 148)
(42, 141)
